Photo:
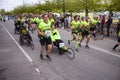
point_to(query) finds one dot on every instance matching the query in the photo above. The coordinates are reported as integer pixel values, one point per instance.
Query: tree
(114, 5)
(2, 11)
(89, 5)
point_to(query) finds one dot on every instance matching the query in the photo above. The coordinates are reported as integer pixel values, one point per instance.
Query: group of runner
(80, 28)
(47, 33)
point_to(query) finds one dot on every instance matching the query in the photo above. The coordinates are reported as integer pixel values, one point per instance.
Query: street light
(64, 11)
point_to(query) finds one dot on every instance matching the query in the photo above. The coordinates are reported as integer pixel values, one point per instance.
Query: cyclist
(85, 31)
(44, 36)
(56, 39)
(75, 24)
(118, 26)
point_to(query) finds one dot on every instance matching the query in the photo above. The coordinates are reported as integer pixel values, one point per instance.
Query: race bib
(47, 33)
(61, 45)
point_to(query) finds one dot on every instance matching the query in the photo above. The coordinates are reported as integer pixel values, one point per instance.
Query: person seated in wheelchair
(25, 35)
(57, 41)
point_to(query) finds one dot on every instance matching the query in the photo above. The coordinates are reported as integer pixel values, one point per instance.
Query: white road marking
(24, 52)
(103, 50)
(37, 70)
(30, 59)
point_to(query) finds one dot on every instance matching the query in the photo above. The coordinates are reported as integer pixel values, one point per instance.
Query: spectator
(102, 23)
(109, 22)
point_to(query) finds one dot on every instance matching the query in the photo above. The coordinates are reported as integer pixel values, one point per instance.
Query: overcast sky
(11, 4)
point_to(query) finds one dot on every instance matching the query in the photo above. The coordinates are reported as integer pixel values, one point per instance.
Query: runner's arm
(40, 33)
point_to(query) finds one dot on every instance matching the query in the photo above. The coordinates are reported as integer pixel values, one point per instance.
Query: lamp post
(23, 6)
(64, 11)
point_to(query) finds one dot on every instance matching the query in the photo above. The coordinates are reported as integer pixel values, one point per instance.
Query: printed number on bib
(47, 33)
(61, 45)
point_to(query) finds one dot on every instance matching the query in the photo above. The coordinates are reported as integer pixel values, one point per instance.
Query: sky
(11, 4)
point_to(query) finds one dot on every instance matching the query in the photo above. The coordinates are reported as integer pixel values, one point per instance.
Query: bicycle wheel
(70, 53)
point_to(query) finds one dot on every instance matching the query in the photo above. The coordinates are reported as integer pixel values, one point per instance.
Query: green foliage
(2, 11)
(69, 6)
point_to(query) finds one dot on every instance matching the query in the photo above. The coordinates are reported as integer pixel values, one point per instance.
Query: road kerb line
(24, 52)
(103, 50)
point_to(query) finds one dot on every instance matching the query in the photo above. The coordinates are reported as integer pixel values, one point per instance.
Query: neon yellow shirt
(44, 26)
(37, 20)
(84, 24)
(52, 21)
(31, 20)
(55, 35)
(119, 33)
(24, 31)
(93, 21)
(75, 24)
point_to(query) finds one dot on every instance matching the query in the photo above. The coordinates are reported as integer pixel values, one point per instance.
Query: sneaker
(41, 56)
(87, 46)
(113, 49)
(48, 57)
(79, 44)
(69, 42)
(76, 50)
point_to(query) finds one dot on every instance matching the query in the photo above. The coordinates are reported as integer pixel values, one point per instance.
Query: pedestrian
(102, 23)
(109, 22)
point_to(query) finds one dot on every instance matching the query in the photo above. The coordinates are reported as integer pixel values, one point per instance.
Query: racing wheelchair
(69, 52)
(57, 41)
(25, 38)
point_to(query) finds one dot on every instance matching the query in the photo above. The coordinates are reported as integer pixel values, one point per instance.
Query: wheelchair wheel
(15, 32)
(70, 53)
(21, 41)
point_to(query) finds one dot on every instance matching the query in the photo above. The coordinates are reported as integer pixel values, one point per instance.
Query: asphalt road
(23, 63)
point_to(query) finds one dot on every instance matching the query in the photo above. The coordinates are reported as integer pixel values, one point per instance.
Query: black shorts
(85, 33)
(45, 40)
(74, 31)
(92, 28)
(79, 29)
(56, 43)
(119, 39)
